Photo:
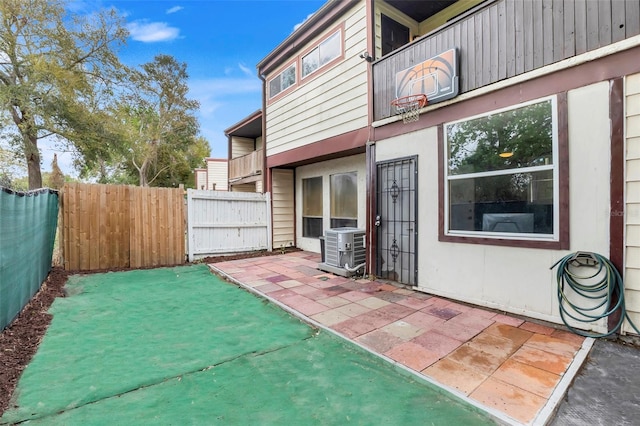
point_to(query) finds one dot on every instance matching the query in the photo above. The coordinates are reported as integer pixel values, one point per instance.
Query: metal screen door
(397, 230)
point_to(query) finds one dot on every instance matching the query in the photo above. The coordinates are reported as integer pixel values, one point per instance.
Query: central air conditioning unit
(344, 251)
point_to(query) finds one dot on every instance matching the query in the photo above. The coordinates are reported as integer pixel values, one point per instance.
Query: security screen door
(397, 230)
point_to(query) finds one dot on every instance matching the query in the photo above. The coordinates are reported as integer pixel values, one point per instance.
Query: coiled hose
(602, 284)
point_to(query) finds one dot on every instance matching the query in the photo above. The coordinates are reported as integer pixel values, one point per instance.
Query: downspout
(229, 152)
(370, 156)
(266, 180)
(264, 136)
(616, 182)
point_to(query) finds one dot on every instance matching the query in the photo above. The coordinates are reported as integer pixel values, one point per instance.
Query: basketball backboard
(437, 77)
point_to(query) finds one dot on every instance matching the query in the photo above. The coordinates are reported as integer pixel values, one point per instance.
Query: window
(312, 207)
(326, 51)
(344, 200)
(282, 81)
(501, 174)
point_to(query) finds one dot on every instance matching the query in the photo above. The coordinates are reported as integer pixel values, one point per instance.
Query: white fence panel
(227, 222)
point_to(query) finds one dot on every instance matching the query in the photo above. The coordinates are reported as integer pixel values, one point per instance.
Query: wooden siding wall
(249, 187)
(331, 103)
(241, 146)
(217, 175)
(244, 187)
(115, 226)
(201, 179)
(251, 164)
(227, 222)
(283, 208)
(512, 37)
(632, 207)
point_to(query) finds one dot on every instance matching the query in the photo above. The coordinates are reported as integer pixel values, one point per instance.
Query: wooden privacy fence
(116, 226)
(227, 222)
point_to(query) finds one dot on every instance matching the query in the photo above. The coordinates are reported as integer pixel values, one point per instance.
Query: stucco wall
(512, 279)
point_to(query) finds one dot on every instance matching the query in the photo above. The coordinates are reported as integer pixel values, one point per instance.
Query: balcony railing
(247, 168)
(507, 38)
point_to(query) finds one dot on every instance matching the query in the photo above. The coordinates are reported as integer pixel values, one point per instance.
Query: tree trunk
(32, 155)
(142, 173)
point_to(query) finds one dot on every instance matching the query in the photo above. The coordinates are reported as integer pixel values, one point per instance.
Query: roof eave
(313, 26)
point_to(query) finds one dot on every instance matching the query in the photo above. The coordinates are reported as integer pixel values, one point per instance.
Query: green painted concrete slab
(181, 346)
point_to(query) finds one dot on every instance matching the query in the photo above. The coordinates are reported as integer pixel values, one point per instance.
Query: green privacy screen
(27, 231)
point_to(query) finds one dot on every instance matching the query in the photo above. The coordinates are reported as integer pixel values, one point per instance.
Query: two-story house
(212, 177)
(526, 150)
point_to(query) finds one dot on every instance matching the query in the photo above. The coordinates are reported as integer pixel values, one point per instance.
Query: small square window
(282, 81)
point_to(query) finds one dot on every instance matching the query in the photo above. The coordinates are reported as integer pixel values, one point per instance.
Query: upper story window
(325, 52)
(502, 174)
(282, 81)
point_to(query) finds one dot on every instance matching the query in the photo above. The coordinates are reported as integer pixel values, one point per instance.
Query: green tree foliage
(526, 133)
(56, 73)
(159, 127)
(510, 140)
(11, 167)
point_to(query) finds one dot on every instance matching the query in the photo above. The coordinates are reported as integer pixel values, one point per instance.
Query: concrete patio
(515, 369)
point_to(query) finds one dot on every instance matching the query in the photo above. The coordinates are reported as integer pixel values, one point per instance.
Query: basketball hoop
(409, 107)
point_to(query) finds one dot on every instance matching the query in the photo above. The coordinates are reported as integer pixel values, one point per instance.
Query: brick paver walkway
(508, 365)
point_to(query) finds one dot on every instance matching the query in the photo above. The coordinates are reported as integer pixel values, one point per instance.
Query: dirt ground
(20, 340)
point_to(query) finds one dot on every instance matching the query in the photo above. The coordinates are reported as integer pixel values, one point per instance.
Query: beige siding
(632, 201)
(201, 179)
(217, 175)
(283, 212)
(245, 187)
(332, 103)
(248, 187)
(241, 146)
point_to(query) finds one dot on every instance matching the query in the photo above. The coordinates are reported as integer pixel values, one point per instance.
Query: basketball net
(409, 107)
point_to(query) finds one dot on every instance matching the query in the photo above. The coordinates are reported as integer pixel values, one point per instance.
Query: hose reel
(595, 279)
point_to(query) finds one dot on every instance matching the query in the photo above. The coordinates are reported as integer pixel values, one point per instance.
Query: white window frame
(316, 51)
(279, 76)
(555, 166)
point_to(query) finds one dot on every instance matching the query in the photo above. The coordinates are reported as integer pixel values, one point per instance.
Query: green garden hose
(602, 284)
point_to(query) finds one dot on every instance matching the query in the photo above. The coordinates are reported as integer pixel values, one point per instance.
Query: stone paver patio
(514, 368)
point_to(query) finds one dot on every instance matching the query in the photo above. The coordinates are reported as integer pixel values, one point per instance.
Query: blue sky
(221, 41)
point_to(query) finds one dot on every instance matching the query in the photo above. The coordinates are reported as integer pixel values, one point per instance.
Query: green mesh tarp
(179, 346)
(27, 232)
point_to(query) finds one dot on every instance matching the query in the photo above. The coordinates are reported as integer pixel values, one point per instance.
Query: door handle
(377, 222)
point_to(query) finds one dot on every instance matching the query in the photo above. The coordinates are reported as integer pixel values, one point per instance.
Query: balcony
(505, 38)
(247, 168)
